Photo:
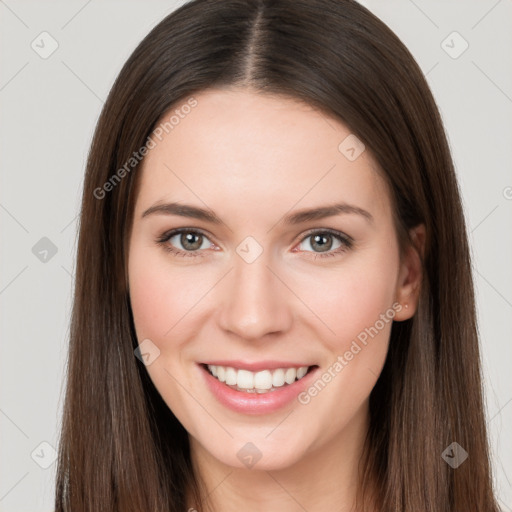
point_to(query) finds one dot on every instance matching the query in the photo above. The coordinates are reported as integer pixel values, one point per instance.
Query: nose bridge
(256, 302)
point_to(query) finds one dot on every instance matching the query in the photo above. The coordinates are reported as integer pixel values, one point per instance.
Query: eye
(191, 242)
(324, 241)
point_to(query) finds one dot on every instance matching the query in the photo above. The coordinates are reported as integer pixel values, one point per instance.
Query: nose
(256, 301)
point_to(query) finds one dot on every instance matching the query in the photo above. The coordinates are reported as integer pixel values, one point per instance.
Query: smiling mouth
(264, 381)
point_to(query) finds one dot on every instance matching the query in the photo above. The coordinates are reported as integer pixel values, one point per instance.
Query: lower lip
(256, 403)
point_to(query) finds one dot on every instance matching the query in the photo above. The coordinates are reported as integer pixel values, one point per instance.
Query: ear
(410, 275)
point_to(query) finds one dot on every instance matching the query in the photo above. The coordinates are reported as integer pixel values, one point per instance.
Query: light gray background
(49, 108)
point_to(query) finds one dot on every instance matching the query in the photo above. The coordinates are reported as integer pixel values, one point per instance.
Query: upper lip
(256, 365)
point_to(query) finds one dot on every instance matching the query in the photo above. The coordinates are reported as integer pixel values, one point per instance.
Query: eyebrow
(298, 217)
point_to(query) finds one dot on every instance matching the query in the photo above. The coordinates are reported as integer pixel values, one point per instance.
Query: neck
(326, 478)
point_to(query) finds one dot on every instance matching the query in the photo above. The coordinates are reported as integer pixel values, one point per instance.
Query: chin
(257, 450)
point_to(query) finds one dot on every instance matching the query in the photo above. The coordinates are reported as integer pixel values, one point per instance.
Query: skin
(252, 158)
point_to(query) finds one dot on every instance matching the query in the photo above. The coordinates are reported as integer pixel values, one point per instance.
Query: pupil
(186, 241)
(322, 240)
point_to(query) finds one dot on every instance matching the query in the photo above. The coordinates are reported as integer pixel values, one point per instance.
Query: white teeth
(301, 372)
(260, 382)
(244, 379)
(263, 380)
(278, 378)
(231, 378)
(290, 375)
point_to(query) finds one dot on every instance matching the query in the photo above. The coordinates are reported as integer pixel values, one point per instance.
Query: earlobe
(410, 275)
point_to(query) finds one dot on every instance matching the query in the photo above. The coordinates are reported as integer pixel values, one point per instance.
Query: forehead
(236, 150)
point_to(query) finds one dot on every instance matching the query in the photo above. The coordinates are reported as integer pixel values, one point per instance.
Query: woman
(274, 307)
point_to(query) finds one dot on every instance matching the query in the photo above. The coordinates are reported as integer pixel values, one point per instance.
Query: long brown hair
(121, 448)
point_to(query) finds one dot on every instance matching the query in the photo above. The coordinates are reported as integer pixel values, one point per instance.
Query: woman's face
(265, 288)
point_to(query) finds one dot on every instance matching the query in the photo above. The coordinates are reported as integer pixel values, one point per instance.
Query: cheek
(353, 298)
(161, 295)
(357, 306)
(356, 303)
(149, 300)
(160, 300)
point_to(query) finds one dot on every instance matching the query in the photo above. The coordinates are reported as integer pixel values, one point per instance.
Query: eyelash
(346, 241)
